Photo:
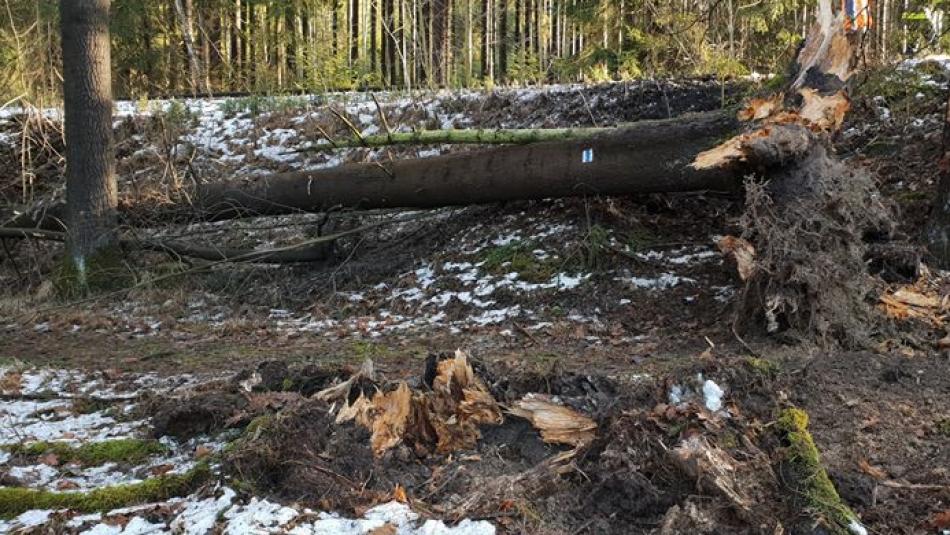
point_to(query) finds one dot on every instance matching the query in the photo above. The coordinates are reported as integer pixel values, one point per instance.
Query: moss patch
(518, 257)
(809, 479)
(104, 271)
(94, 453)
(943, 427)
(17, 500)
(763, 366)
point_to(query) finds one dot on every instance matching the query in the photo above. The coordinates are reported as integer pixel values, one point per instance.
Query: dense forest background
(179, 47)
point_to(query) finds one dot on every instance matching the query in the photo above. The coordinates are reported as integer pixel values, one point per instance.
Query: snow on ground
(220, 510)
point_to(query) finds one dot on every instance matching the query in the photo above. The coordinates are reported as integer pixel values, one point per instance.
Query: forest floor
(621, 308)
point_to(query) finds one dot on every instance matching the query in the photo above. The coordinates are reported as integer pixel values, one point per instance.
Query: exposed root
(810, 225)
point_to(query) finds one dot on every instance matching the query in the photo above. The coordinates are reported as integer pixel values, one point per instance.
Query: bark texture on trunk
(90, 172)
(938, 229)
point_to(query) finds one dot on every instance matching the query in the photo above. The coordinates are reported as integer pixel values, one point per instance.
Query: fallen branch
(311, 250)
(39, 234)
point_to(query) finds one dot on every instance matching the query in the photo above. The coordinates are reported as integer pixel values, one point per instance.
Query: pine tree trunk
(91, 192)
(502, 72)
(185, 13)
(440, 41)
(373, 29)
(938, 230)
(486, 40)
(335, 25)
(354, 31)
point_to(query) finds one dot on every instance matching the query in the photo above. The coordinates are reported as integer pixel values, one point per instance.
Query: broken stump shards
(442, 418)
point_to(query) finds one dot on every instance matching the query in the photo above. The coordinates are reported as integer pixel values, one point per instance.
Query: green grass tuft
(130, 451)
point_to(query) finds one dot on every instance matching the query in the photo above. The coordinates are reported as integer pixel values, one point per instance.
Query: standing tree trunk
(487, 73)
(335, 25)
(90, 154)
(503, 40)
(185, 14)
(440, 41)
(373, 28)
(938, 231)
(354, 32)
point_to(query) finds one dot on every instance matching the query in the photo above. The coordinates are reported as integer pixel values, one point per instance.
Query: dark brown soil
(888, 413)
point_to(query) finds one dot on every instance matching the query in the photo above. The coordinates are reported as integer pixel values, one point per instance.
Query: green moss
(943, 427)
(810, 480)
(258, 425)
(517, 257)
(287, 385)
(104, 271)
(17, 500)
(763, 366)
(94, 453)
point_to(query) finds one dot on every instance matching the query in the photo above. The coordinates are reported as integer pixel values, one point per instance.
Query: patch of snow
(257, 516)
(712, 395)
(39, 475)
(200, 517)
(27, 521)
(395, 514)
(855, 527)
(663, 282)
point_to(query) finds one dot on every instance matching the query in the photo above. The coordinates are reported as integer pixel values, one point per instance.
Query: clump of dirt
(811, 225)
(199, 414)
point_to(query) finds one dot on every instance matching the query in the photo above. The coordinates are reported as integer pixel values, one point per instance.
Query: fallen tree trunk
(646, 157)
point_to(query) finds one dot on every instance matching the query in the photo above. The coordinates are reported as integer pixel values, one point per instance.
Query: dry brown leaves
(11, 383)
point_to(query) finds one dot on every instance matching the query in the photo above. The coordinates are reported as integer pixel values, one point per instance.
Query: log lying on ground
(644, 157)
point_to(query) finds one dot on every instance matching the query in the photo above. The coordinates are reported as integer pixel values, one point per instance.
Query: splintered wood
(915, 302)
(442, 420)
(558, 424)
(826, 63)
(447, 416)
(714, 469)
(740, 253)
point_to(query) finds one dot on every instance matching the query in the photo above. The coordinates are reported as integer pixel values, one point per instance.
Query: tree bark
(185, 22)
(354, 32)
(440, 41)
(90, 152)
(644, 157)
(503, 40)
(938, 229)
